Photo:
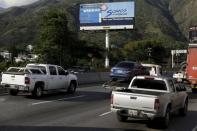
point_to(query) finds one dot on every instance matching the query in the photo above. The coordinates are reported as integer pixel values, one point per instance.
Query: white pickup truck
(149, 97)
(37, 78)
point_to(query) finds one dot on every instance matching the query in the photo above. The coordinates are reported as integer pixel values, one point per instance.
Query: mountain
(184, 12)
(166, 20)
(1, 9)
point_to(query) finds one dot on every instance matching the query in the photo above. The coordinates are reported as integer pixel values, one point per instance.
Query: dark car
(126, 70)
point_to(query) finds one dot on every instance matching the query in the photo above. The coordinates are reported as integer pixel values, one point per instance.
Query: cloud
(9, 3)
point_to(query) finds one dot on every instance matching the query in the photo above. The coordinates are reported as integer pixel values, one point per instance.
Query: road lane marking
(106, 113)
(69, 98)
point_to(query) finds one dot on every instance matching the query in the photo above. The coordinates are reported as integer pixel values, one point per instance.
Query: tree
(55, 41)
(145, 50)
(14, 52)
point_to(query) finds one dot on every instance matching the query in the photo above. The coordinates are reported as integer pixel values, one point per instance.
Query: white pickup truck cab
(37, 78)
(153, 69)
(150, 97)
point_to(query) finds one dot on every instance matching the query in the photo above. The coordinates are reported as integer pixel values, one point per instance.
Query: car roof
(41, 65)
(151, 65)
(154, 77)
(127, 62)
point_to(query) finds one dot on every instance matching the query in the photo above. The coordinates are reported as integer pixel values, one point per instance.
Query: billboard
(103, 16)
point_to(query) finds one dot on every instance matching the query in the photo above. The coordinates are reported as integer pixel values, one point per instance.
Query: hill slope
(1, 9)
(184, 12)
(158, 19)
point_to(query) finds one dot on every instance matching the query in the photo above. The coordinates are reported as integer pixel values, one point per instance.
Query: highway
(86, 110)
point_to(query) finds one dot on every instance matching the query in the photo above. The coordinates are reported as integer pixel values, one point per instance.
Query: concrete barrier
(88, 78)
(83, 78)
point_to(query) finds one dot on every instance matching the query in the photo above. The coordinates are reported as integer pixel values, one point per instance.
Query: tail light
(112, 98)
(27, 80)
(157, 104)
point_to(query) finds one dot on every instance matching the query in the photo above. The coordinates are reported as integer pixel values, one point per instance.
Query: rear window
(13, 70)
(35, 71)
(149, 84)
(125, 65)
(42, 68)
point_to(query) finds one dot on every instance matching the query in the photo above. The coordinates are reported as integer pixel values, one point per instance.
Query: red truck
(191, 69)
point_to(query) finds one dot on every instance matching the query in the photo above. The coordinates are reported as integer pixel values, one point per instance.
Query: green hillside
(1, 9)
(154, 20)
(184, 12)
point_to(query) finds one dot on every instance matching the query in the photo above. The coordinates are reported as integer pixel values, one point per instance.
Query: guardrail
(84, 78)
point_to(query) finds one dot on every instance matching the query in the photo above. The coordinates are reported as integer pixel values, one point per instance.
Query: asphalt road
(87, 110)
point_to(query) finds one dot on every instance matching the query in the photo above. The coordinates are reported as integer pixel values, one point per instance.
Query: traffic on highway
(146, 103)
(109, 66)
(87, 109)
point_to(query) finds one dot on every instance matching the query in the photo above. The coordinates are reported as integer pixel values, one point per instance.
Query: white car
(180, 76)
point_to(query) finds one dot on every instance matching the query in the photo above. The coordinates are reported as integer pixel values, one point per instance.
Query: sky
(9, 3)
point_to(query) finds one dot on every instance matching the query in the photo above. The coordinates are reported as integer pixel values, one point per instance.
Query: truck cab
(153, 69)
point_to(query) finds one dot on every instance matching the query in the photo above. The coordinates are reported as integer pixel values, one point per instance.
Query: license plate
(133, 113)
(119, 71)
(21, 87)
(13, 86)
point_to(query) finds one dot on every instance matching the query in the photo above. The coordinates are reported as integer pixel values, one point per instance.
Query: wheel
(72, 88)
(121, 118)
(183, 111)
(165, 120)
(13, 92)
(37, 92)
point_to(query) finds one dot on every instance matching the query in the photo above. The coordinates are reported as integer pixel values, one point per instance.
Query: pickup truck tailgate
(13, 79)
(134, 101)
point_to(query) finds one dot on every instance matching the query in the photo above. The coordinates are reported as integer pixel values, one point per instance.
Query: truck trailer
(191, 68)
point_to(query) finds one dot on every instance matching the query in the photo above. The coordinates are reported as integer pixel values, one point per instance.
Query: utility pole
(149, 54)
(107, 45)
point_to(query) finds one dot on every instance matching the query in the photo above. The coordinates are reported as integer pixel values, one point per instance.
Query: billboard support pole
(107, 45)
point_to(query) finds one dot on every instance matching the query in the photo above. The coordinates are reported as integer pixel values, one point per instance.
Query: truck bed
(13, 78)
(134, 100)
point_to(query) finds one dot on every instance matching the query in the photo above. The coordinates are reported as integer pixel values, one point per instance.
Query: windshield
(149, 84)
(125, 65)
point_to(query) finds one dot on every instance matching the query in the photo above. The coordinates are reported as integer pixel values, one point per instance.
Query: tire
(13, 92)
(165, 120)
(121, 118)
(183, 111)
(37, 92)
(72, 88)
